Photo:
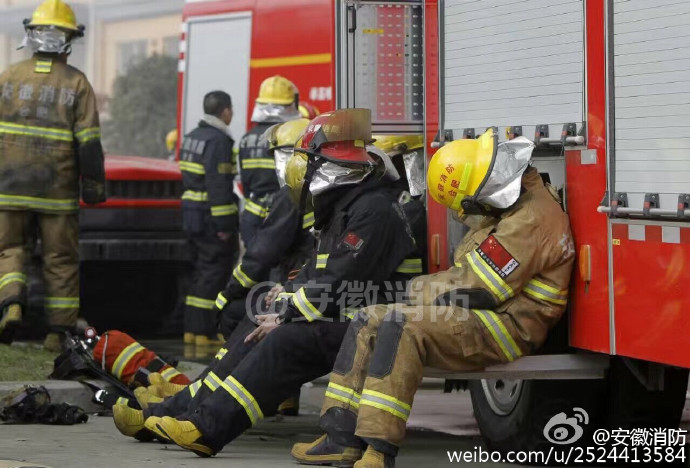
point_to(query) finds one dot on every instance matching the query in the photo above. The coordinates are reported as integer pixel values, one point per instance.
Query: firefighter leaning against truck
(209, 214)
(508, 287)
(277, 102)
(49, 143)
(364, 238)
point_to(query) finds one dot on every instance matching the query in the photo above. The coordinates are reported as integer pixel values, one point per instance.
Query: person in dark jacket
(277, 103)
(283, 242)
(363, 242)
(209, 213)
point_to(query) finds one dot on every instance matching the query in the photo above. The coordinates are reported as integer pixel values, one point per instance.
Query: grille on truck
(152, 189)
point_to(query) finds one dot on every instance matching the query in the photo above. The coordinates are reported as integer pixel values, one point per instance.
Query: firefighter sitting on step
(50, 141)
(363, 243)
(209, 214)
(277, 103)
(508, 287)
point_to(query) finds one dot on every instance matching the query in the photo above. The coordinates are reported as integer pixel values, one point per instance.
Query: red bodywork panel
(138, 168)
(586, 184)
(650, 293)
(436, 217)
(286, 37)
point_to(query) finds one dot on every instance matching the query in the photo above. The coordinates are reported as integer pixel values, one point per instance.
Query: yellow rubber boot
(203, 340)
(324, 451)
(130, 422)
(12, 316)
(374, 459)
(53, 343)
(189, 338)
(186, 435)
(151, 424)
(164, 388)
(145, 397)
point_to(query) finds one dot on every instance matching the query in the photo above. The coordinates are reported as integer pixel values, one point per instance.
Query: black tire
(521, 427)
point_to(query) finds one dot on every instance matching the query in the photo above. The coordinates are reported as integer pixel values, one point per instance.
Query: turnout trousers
(59, 235)
(381, 364)
(214, 262)
(275, 369)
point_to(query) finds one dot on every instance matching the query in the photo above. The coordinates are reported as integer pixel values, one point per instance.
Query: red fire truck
(601, 86)
(233, 45)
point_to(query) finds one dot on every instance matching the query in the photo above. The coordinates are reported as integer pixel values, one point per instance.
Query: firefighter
(209, 214)
(508, 287)
(171, 144)
(308, 111)
(50, 147)
(407, 154)
(283, 242)
(364, 240)
(277, 102)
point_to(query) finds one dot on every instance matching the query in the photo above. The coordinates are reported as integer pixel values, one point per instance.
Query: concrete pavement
(97, 444)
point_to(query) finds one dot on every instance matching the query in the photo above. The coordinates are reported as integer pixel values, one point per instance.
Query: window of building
(130, 53)
(171, 46)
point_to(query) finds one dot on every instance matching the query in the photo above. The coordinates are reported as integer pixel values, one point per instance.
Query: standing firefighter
(49, 142)
(277, 102)
(209, 213)
(508, 287)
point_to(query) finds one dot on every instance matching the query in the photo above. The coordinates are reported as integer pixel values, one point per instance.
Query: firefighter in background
(171, 144)
(277, 102)
(364, 239)
(407, 154)
(50, 141)
(308, 111)
(209, 214)
(508, 287)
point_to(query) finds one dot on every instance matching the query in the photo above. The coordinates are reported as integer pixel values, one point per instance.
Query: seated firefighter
(507, 289)
(282, 244)
(364, 240)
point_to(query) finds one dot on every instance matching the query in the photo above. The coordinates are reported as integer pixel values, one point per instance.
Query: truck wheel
(512, 414)
(629, 403)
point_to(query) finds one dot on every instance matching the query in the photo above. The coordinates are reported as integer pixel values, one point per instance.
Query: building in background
(118, 34)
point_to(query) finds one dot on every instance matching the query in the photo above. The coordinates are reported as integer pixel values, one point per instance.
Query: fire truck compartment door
(218, 55)
(651, 49)
(381, 62)
(512, 63)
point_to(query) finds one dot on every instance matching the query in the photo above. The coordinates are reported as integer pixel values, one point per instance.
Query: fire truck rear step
(546, 367)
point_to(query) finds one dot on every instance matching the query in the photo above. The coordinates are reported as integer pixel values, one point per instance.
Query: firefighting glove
(92, 191)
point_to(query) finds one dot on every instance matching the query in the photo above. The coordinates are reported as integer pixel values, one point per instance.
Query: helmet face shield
(282, 156)
(274, 113)
(48, 39)
(502, 187)
(331, 175)
(414, 170)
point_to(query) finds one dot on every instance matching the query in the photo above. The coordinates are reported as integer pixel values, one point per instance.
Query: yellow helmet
(459, 170)
(294, 173)
(287, 133)
(55, 13)
(394, 145)
(277, 90)
(171, 140)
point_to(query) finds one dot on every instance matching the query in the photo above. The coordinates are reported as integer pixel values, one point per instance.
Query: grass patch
(25, 363)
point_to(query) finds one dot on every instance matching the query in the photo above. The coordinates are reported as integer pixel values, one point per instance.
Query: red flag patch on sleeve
(353, 241)
(498, 258)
